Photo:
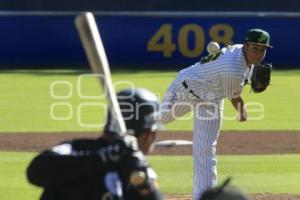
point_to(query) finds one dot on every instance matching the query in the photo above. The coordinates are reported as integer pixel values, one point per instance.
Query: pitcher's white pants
(207, 121)
(206, 132)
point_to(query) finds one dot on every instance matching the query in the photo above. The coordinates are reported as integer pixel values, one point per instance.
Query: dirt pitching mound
(229, 143)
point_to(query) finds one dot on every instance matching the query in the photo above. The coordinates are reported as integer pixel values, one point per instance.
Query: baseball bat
(94, 50)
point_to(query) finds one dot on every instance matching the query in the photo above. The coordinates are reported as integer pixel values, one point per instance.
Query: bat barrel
(94, 49)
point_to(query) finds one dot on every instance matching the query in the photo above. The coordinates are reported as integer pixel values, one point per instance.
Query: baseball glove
(260, 78)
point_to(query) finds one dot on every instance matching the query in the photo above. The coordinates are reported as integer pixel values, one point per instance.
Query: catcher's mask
(140, 110)
(260, 78)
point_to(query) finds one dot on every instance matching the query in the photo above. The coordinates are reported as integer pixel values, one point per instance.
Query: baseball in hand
(212, 47)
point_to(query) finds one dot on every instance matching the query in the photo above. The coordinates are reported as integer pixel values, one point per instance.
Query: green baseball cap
(258, 36)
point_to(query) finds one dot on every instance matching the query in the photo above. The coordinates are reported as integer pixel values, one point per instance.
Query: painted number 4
(162, 41)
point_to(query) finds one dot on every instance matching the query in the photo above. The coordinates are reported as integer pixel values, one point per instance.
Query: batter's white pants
(207, 122)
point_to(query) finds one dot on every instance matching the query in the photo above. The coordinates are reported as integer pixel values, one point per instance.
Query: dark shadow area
(153, 5)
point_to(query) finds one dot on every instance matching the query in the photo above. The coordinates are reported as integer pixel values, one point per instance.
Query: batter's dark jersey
(88, 169)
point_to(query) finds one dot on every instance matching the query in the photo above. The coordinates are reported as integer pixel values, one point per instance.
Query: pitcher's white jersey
(219, 78)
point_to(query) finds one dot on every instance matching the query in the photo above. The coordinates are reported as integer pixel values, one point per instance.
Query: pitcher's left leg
(206, 131)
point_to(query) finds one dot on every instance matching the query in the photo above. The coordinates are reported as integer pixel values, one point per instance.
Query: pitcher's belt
(185, 85)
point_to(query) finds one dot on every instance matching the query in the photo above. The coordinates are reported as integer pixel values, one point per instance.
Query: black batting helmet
(140, 110)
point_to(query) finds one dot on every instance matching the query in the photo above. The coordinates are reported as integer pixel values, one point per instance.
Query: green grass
(25, 106)
(26, 101)
(13, 182)
(255, 174)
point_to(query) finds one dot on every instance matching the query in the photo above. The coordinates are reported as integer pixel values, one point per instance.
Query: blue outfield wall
(153, 40)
